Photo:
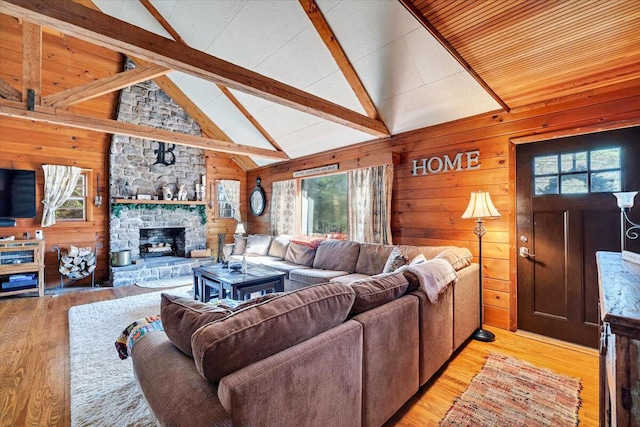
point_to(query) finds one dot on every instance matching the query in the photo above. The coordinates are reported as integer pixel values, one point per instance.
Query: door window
(581, 172)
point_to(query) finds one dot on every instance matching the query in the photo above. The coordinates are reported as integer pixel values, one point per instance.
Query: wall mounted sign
(439, 164)
(315, 171)
(163, 152)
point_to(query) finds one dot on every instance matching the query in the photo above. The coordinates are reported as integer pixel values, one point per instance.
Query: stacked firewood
(78, 263)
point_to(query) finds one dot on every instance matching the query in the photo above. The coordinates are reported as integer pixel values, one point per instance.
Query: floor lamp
(480, 207)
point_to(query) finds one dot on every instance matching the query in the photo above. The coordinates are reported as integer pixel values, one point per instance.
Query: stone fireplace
(147, 224)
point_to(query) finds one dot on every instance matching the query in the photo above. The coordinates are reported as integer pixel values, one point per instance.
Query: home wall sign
(440, 164)
(163, 152)
(315, 171)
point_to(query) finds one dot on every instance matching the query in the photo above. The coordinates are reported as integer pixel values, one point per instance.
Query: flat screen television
(17, 193)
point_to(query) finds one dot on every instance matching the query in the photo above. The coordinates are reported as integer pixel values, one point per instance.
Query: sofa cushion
(313, 276)
(375, 291)
(279, 245)
(349, 278)
(340, 255)
(397, 258)
(372, 258)
(459, 258)
(258, 244)
(300, 254)
(263, 330)
(181, 317)
(239, 245)
(284, 266)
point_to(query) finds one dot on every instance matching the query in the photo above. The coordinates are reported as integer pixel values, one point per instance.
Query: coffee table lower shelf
(235, 285)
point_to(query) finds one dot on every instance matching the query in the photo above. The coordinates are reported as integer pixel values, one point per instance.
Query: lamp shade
(625, 200)
(240, 228)
(481, 206)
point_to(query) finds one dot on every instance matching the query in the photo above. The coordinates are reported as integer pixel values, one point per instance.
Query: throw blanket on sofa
(434, 276)
(134, 332)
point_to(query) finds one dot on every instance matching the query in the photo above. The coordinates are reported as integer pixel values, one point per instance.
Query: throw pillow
(300, 254)
(258, 244)
(279, 246)
(181, 317)
(239, 245)
(378, 290)
(263, 330)
(459, 258)
(396, 260)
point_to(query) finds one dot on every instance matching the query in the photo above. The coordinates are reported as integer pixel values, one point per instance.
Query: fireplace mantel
(158, 202)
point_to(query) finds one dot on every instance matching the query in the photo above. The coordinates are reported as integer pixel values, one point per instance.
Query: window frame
(218, 208)
(300, 224)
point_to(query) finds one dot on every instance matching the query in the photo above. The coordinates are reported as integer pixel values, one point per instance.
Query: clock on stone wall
(257, 201)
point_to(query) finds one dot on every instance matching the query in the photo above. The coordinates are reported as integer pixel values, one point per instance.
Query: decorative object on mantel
(257, 200)
(182, 193)
(117, 208)
(625, 203)
(98, 199)
(167, 192)
(480, 207)
(77, 263)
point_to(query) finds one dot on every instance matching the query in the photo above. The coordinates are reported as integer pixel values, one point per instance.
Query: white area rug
(167, 283)
(103, 391)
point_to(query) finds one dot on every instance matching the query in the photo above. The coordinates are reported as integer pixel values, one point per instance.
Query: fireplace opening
(157, 242)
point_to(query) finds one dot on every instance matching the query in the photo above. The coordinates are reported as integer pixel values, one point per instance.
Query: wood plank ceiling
(535, 51)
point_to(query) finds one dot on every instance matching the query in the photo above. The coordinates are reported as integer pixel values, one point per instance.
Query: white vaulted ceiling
(413, 81)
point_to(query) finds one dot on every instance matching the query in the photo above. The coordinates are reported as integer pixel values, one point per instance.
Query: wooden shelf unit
(22, 256)
(158, 202)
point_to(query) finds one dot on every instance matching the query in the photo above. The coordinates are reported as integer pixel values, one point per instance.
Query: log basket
(77, 263)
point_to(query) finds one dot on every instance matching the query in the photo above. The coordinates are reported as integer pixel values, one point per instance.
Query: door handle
(524, 252)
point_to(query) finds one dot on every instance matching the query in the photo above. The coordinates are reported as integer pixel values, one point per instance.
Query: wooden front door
(565, 213)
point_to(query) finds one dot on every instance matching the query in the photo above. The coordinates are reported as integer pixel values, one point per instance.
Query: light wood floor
(34, 364)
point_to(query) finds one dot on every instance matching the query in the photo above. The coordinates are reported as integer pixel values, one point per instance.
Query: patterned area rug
(510, 392)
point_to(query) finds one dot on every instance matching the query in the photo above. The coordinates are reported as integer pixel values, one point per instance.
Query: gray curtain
(370, 204)
(283, 207)
(59, 182)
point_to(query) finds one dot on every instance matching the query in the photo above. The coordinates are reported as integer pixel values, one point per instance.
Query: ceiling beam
(31, 60)
(408, 4)
(331, 41)
(102, 86)
(7, 91)
(103, 30)
(48, 115)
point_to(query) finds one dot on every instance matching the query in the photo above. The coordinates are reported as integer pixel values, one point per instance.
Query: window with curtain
(75, 207)
(324, 205)
(228, 199)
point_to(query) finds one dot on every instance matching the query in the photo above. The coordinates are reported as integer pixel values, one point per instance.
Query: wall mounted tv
(17, 193)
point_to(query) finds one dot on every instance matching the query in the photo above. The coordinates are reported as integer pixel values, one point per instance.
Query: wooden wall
(427, 209)
(68, 62)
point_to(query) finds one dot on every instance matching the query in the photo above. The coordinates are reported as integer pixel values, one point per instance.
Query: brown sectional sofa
(357, 373)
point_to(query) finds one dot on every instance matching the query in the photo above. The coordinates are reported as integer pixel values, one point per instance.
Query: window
(324, 205)
(225, 209)
(595, 171)
(75, 208)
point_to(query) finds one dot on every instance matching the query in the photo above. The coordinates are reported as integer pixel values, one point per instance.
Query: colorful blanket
(134, 332)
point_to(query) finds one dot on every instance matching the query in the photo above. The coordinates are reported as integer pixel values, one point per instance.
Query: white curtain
(59, 182)
(232, 191)
(370, 204)
(283, 207)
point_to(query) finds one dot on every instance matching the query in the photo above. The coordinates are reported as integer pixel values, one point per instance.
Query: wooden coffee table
(235, 285)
